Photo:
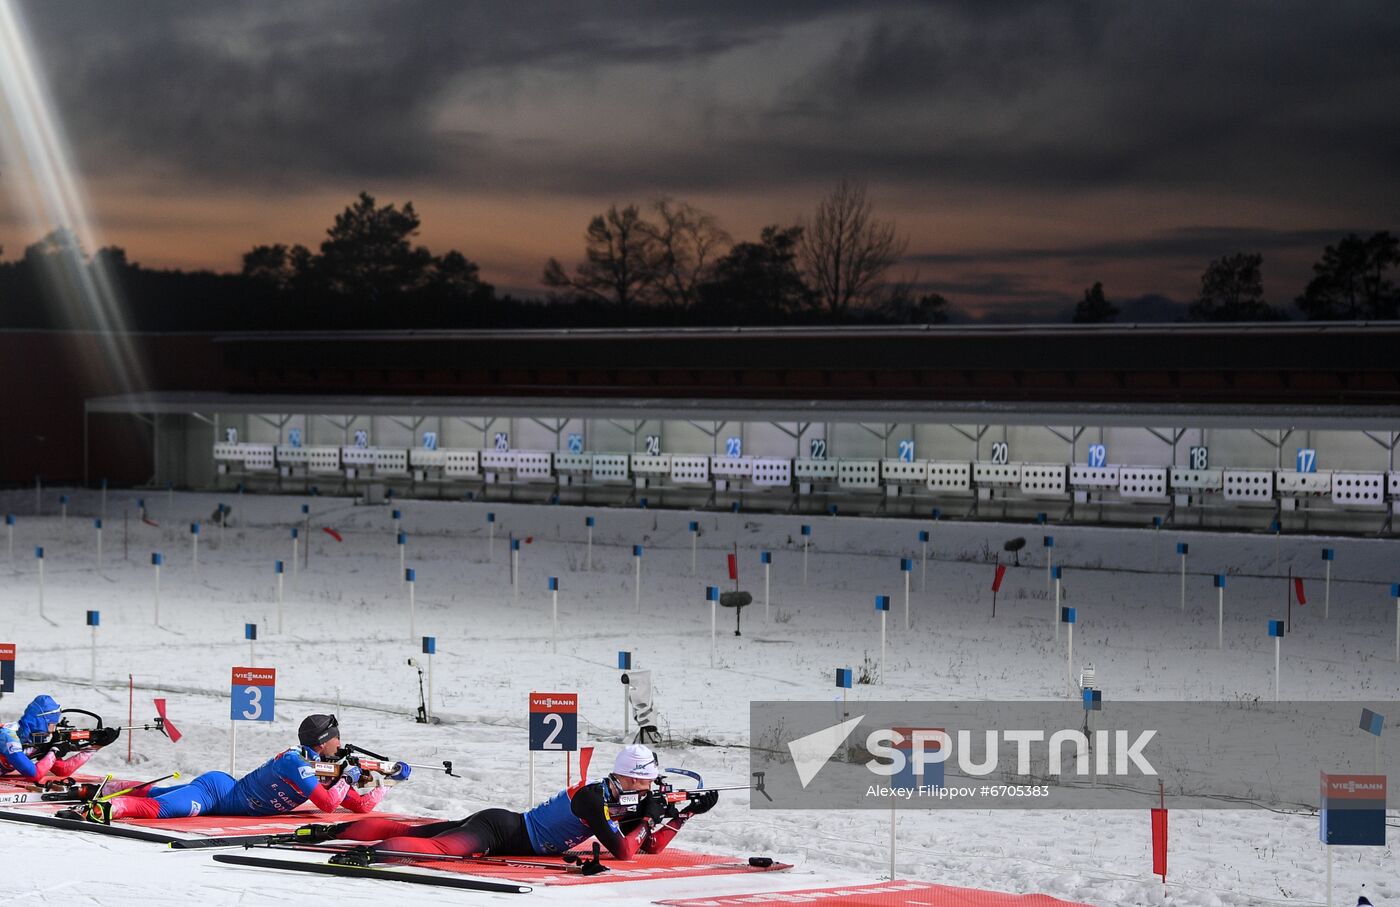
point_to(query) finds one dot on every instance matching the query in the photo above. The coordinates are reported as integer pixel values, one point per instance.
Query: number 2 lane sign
(554, 721)
(253, 695)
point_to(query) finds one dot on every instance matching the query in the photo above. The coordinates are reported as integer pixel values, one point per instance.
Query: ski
(572, 861)
(374, 872)
(118, 831)
(226, 841)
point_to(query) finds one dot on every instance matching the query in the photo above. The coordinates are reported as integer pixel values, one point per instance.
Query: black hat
(317, 729)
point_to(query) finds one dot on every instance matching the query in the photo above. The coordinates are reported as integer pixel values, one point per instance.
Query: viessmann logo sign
(1358, 787)
(1054, 754)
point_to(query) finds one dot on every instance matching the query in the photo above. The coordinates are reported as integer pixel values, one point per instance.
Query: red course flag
(996, 583)
(733, 567)
(170, 731)
(1298, 588)
(1159, 843)
(332, 533)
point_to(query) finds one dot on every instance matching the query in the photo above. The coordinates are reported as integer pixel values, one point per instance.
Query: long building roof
(1353, 363)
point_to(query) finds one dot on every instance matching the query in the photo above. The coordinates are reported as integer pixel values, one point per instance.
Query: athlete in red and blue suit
(279, 785)
(25, 749)
(565, 820)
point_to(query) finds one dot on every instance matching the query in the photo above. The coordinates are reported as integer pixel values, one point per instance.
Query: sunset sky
(1026, 149)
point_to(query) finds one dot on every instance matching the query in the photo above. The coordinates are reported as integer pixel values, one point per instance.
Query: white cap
(636, 761)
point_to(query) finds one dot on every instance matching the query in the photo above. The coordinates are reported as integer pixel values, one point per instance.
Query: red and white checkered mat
(899, 893)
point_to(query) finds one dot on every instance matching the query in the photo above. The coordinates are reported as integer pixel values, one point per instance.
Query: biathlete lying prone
(621, 811)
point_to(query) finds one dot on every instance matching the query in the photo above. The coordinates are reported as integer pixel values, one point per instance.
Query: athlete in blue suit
(27, 750)
(565, 820)
(279, 785)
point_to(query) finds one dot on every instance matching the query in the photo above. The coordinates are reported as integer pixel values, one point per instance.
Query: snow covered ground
(347, 638)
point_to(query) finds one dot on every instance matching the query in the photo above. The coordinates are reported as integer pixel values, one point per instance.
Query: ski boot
(84, 790)
(311, 834)
(361, 856)
(99, 811)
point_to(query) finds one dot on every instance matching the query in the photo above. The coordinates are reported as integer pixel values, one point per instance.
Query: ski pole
(152, 783)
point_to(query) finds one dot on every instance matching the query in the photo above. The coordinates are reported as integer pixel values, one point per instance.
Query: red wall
(46, 375)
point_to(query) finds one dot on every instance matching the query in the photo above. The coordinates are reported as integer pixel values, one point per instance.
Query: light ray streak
(50, 193)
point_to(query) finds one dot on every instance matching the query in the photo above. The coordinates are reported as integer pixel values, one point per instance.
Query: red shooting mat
(219, 826)
(670, 864)
(898, 893)
(211, 826)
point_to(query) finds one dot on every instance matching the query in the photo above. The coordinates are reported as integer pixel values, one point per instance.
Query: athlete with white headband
(586, 810)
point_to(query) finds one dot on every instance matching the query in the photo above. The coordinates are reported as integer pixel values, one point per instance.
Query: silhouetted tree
(272, 266)
(1232, 289)
(757, 281)
(1350, 281)
(113, 260)
(1095, 307)
(59, 242)
(368, 252)
(459, 279)
(58, 264)
(619, 263)
(845, 251)
(685, 243)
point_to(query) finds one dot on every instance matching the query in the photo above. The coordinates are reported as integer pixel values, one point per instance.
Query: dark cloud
(1237, 96)
(991, 286)
(1197, 244)
(1151, 308)
(321, 92)
(1274, 113)
(1245, 98)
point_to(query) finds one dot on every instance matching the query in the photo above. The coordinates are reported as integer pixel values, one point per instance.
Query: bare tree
(686, 243)
(619, 260)
(846, 251)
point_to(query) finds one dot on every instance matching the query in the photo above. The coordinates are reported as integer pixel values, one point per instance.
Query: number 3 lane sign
(254, 694)
(554, 721)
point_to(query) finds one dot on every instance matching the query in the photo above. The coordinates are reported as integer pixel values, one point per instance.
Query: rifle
(629, 801)
(68, 738)
(385, 764)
